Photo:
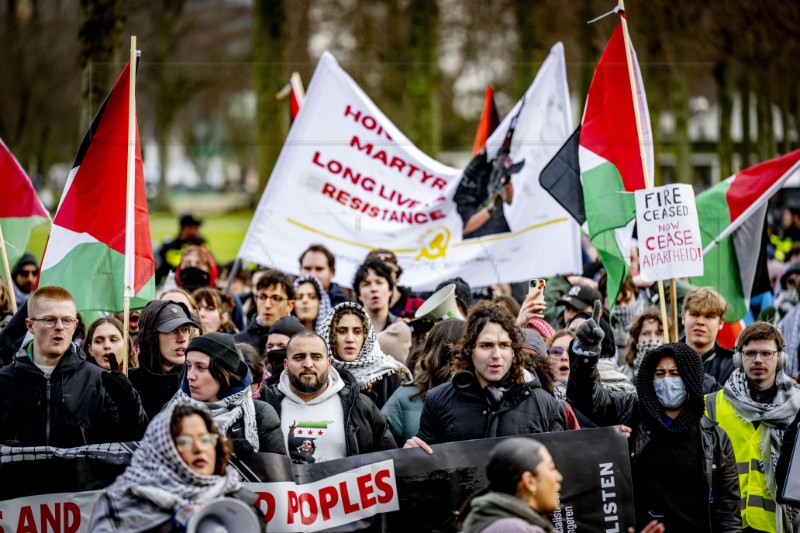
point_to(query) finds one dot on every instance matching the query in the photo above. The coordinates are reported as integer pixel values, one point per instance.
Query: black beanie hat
(288, 325)
(219, 346)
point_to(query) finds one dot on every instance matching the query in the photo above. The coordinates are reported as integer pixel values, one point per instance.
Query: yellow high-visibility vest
(757, 507)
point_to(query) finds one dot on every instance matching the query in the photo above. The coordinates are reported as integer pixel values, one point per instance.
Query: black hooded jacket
(461, 410)
(643, 413)
(70, 409)
(154, 386)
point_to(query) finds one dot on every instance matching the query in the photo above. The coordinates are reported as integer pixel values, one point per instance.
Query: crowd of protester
(249, 356)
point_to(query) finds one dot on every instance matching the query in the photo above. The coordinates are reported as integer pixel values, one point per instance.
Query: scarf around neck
(371, 364)
(776, 416)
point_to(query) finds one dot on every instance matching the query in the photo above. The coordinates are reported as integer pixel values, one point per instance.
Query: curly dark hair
(480, 315)
(437, 355)
(337, 316)
(224, 448)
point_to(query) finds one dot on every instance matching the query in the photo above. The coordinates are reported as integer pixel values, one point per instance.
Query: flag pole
(129, 206)
(642, 153)
(7, 272)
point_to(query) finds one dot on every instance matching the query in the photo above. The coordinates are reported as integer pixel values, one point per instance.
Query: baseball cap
(580, 297)
(172, 316)
(188, 219)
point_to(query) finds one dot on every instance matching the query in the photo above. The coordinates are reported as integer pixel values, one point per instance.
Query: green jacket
(402, 413)
(494, 506)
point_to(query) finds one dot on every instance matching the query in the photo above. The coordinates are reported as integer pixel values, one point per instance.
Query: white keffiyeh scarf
(371, 364)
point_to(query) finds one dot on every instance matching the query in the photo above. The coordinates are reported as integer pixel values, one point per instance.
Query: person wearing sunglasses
(181, 464)
(754, 408)
(51, 396)
(24, 275)
(558, 355)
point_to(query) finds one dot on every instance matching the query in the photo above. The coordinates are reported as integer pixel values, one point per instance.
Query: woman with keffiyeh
(217, 376)
(353, 346)
(181, 461)
(311, 303)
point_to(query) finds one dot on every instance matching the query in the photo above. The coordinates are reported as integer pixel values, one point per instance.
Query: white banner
(670, 245)
(287, 506)
(349, 179)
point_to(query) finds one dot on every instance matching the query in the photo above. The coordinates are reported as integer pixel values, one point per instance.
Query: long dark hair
(224, 448)
(90, 335)
(437, 355)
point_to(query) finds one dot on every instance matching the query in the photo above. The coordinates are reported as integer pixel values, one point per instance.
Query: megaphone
(223, 515)
(442, 304)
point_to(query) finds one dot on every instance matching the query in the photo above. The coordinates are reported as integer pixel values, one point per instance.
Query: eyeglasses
(50, 321)
(275, 299)
(766, 355)
(185, 442)
(555, 351)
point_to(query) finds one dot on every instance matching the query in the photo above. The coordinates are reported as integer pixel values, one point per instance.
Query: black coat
(453, 413)
(381, 390)
(607, 408)
(155, 389)
(718, 362)
(365, 429)
(70, 409)
(255, 335)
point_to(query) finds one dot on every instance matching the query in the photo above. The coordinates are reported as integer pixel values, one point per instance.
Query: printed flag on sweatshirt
(489, 121)
(596, 170)
(731, 216)
(20, 207)
(86, 250)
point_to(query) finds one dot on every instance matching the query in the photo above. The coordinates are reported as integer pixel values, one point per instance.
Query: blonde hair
(705, 300)
(51, 292)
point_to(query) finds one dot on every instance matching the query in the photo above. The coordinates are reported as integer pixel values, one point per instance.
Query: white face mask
(643, 348)
(671, 392)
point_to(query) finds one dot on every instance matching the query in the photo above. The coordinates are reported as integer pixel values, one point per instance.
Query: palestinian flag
(489, 121)
(20, 207)
(595, 173)
(294, 90)
(731, 216)
(86, 250)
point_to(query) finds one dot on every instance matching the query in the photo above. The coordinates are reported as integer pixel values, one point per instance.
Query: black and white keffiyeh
(157, 482)
(324, 300)
(237, 404)
(371, 364)
(776, 416)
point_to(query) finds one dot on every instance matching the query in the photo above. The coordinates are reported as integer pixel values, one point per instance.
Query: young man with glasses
(50, 396)
(24, 275)
(756, 405)
(274, 297)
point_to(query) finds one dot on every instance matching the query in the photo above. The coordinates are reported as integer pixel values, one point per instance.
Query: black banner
(596, 492)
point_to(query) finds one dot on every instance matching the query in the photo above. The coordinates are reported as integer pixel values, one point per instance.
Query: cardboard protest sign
(670, 245)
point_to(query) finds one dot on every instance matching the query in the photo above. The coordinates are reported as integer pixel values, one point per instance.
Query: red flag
(488, 122)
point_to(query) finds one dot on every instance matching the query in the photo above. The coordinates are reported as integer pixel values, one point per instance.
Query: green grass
(224, 233)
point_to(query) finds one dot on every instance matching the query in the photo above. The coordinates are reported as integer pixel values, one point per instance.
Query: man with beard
(319, 404)
(757, 404)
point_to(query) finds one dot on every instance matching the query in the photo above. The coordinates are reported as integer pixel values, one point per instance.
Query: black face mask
(193, 278)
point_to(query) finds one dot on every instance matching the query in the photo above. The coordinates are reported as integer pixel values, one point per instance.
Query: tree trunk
(722, 75)
(747, 148)
(426, 130)
(766, 131)
(679, 102)
(101, 45)
(270, 38)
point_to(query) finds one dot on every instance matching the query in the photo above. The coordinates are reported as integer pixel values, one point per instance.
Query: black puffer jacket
(465, 412)
(608, 408)
(70, 409)
(366, 430)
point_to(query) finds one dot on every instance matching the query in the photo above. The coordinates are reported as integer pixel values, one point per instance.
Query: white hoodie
(318, 426)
